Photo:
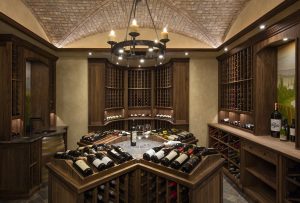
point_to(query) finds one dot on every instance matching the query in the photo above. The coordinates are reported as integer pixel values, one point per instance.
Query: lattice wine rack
(114, 87)
(164, 87)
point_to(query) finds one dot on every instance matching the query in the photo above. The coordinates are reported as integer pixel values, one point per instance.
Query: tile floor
(230, 195)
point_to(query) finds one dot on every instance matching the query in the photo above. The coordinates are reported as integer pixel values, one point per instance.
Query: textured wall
(16, 10)
(250, 13)
(203, 96)
(72, 96)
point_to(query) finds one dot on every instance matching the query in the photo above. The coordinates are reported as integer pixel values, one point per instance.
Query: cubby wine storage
(236, 89)
(229, 146)
(291, 184)
(120, 94)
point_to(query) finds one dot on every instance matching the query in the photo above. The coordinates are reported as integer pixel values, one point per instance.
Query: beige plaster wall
(16, 10)
(203, 96)
(72, 96)
(99, 40)
(250, 13)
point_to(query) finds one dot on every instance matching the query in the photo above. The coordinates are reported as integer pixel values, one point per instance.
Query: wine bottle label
(150, 152)
(81, 164)
(97, 162)
(292, 132)
(160, 154)
(115, 152)
(171, 155)
(67, 151)
(275, 125)
(105, 160)
(182, 158)
(59, 153)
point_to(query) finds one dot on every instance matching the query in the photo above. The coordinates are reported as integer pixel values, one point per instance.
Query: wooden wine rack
(137, 181)
(114, 87)
(236, 88)
(142, 94)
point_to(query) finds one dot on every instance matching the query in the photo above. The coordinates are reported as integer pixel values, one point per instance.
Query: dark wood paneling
(40, 96)
(298, 93)
(5, 90)
(181, 92)
(265, 88)
(96, 92)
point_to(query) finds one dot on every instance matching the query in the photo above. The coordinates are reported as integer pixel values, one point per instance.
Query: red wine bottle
(191, 163)
(106, 160)
(184, 157)
(100, 165)
(119, 158)
(275, 122)
(166, 161)
(160, 154)
(148, 154)
(122, 152)
(82, 167)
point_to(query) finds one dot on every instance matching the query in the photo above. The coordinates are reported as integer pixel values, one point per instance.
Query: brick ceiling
(66, 21)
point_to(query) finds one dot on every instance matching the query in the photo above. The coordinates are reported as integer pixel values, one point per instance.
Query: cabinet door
(5, 90)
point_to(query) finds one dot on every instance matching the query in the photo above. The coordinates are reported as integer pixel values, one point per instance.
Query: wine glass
(140, 130)
(147, 129)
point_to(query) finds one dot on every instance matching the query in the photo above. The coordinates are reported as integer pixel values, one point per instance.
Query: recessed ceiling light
(117, 63)
(156, 41)
(150, 49)
(186, 53)
(139, 66)
(225, 49)
(262, 26)
(285, 39)
(120, 58)
(90, 53)
(121, 51)
(160, 63)
(142, 60)
(161, 56)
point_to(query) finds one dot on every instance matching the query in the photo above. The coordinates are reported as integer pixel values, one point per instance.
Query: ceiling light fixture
(225, 49)
(129, 48)
(262, 26)
(285, 39)
(186, 53)
(90, 53)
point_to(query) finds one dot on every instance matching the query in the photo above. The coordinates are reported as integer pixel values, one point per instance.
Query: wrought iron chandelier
(135, 49)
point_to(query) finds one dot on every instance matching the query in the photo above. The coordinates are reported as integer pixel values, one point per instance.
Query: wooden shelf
(237, 111)
(261, 194)
(293, 181)
(265, 175)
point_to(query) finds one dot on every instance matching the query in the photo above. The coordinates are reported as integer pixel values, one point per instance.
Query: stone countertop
(35, 136)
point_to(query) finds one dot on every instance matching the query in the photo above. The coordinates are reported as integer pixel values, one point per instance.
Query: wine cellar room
(149, 101)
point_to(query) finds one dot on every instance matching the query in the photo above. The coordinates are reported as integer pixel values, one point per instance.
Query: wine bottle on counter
(99, 164)
(160, 154)
(191, 163)
(106, 160)
(82, 167)
(292, 131)
(148, 154)
(73, 153)
(119, 158)
(122, 152)
(133, 135)
(209, 151)
(275, 122)
(182, 158)
(284, 131)
(166, 161)
(62, 155)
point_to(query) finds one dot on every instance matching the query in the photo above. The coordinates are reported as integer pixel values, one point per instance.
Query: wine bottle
(124, 153)
(275, 122)
(284, 131)
(133, 135)
(160, 154)
(62, 155)
(182, 159)
(148, 154)
(73, 153)
(82, 167)
(292, 131)
(166, 161)
(100, 165)
(106, 160)
(191, 163)
(209, 151)
(119, 158)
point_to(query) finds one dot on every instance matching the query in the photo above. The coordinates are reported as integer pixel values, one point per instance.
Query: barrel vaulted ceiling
(66, 21)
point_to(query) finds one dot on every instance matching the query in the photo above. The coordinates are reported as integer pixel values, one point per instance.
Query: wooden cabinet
(269, 168)
(119, 95)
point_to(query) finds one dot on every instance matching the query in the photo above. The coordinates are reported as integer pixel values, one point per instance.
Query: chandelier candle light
(134, 49)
